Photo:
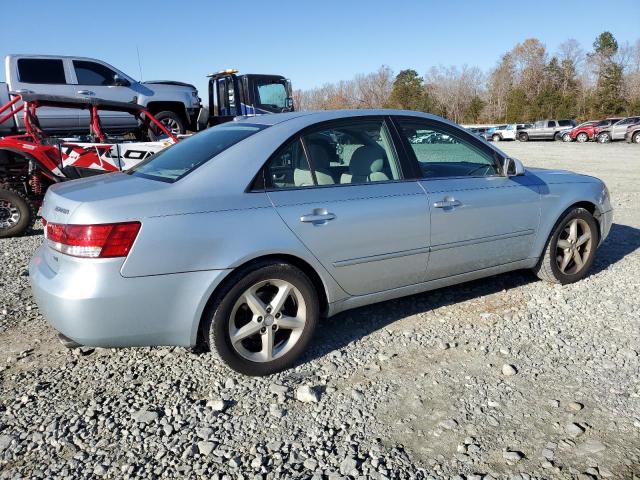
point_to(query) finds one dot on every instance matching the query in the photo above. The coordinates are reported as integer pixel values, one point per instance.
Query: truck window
(271, 94)
(91, 73)
(539, 125)
(551, 124)
(41, 70)
(565, 123)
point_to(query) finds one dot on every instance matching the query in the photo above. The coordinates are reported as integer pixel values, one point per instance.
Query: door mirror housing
(121, 82)
(512, 167)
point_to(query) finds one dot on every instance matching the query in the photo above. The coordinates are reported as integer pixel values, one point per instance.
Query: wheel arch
(176, 107)
(590, 206)
(318, 283)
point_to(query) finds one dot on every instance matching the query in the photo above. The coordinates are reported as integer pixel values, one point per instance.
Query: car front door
(341, 189)
(97, 80)
(620, 129)
(45, 76)
(479, 218)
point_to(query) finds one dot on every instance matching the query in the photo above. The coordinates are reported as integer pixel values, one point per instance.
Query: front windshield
(272, 94)
(185, 156)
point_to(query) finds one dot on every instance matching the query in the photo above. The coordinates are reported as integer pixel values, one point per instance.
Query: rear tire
(171, 121)
(559, 262)
(557, 137)
(523, 137)
(582, 137)
(231, 312)
(17, 213)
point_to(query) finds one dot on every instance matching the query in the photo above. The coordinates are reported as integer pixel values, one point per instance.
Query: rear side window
(565, 123)
(41, 70)
(551, 124)
(91, 73)
(185, 156)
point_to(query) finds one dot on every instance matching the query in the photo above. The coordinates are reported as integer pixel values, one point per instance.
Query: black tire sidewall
(523, 137)
(581, 213)
(216, 332)
(27, 213)
(174, 116)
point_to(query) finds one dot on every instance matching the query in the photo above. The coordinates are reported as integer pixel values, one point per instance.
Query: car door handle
(85, 92)
(319, 216)
(448, 202)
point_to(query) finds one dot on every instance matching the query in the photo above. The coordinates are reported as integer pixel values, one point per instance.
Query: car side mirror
(121, 82)
(512, 167)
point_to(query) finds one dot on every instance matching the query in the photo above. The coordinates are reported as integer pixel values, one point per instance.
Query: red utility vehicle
(31, 162)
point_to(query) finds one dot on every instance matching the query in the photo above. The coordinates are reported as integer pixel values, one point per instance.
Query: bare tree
(454, 89)
(373, 89)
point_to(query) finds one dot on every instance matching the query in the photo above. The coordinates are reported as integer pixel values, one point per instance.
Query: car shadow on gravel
(622, 240)
(346, 327)
(339, 331)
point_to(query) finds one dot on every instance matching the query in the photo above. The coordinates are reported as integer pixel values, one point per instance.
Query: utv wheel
(570, 249)
(636, 137)
(604, 138)
(171, 121)
(566, 138)
(17, 213)
(496, 138)
(582, 137)
(264, 319)
(523, 137)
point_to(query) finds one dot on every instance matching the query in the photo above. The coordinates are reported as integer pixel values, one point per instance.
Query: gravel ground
(507, 377)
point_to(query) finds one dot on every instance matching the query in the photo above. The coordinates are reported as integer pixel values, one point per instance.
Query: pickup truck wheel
(171, 122)
(523, 137)
(17, 213)
(582, 137)
(496, 138)
(604, 137)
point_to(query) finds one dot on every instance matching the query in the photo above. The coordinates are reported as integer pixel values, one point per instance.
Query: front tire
(636, 137)
(496, 138)
(17, 213)
(570, 249)
(171, 121)
(263, 319)
(567, 138)
(604, 138)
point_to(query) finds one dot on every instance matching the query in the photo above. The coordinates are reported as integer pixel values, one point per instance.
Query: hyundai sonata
(241, 237)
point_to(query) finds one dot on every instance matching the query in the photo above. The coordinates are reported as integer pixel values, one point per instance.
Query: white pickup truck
(175, 104)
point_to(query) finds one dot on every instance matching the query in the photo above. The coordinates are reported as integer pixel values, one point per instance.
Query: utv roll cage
(32, 101)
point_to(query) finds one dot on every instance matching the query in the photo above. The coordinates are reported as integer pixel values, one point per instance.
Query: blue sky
(309, 42)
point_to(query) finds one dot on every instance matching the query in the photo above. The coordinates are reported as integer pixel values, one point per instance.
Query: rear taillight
(92, 241)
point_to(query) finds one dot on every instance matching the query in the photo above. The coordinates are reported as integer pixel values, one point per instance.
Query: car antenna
(139, 62)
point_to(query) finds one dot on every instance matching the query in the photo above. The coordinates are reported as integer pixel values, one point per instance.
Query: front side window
(41, 70)
(185, 156)
(539, 124)
(91, 73)
(443, 153)
(272, 95)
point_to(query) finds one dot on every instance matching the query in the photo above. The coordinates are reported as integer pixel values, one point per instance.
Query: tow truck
(232, 95)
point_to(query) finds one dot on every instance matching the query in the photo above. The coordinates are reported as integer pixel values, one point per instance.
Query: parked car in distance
(633, 134)
(504, 132)
(582, 133)
(240, 237)
(175, 104)
(602, 124)
(616, 131)
(31, 162)
(545, 130)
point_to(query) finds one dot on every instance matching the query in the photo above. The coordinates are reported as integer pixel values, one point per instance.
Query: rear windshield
(185, 156)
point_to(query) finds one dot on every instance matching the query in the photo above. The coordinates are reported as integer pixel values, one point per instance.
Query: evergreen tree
(608, 99)
(408, 92)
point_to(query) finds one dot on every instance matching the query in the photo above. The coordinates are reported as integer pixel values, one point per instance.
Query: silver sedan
(242, 237)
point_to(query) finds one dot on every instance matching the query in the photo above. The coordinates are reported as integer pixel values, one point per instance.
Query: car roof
(43, 100)
(316, 116)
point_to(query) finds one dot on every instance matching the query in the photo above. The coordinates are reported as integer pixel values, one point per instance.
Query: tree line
(527, 84)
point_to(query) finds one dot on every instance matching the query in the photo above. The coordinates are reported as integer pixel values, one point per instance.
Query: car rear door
(537, 132)
(343, 192)
(478, 217)
(96, 79)
(45, 76)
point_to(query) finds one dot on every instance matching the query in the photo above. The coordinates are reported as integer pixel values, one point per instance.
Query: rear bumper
(89, 301)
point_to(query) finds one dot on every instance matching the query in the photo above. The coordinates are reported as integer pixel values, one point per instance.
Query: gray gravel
(504, 378)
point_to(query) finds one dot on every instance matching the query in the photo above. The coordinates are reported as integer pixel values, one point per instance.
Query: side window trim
(497, 159)
(405, 167)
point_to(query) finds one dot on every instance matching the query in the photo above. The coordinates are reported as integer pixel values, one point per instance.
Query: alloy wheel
(573, 246)
(171, 125)
(267, 320)
(9, 214)
(566, 137)
(582, 137)
(636, 137)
